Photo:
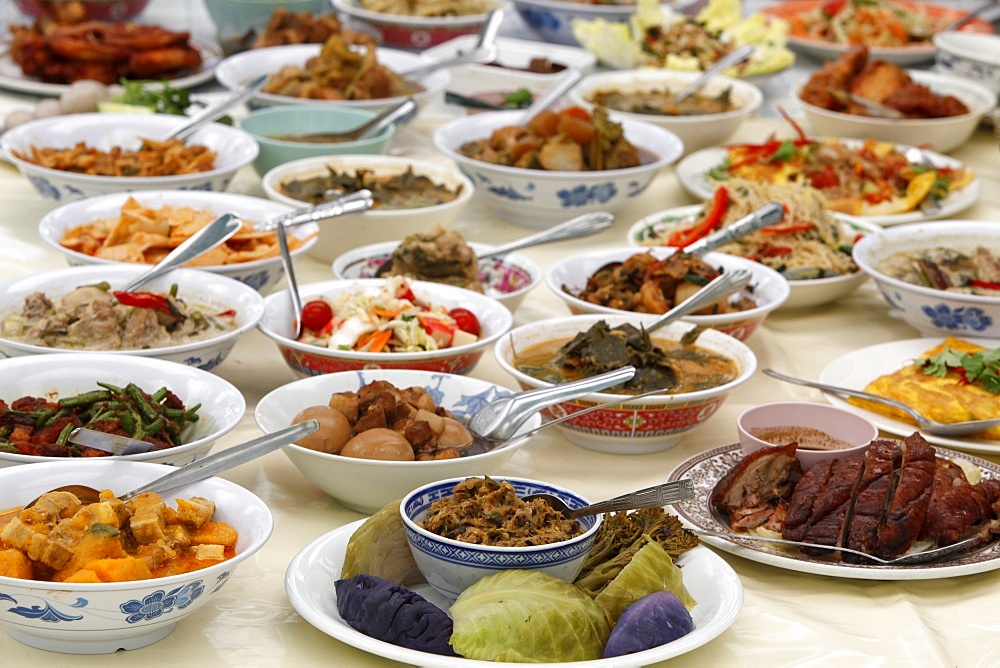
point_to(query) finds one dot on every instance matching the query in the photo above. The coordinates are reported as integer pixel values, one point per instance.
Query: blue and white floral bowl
(262, 275)
(365, 485)
(930, 311)
(552, 20)
(214, 293)
(233, 147)
(451, 566)
(540, 198)
(85, 618)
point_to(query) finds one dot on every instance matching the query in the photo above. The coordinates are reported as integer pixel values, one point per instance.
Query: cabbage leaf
(379, 548)
(527, 616)
(650, 570)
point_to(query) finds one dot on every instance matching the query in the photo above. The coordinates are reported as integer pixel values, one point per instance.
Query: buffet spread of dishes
(398, 344)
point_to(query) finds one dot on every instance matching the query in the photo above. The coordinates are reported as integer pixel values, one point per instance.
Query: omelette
(948, 398)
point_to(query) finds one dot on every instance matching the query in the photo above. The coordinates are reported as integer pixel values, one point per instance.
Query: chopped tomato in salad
(389, 318)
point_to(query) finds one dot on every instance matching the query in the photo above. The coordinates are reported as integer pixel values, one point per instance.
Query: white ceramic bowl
(236, 70)
(508, 278)
(513, 53)
(970, 56)
(696, 131)
(839, 423)
(940, 134)
(411, 32)
(539, 198)
(87, 618)
(365, 485)
(309, 360)
(803, 293)
(374, 225)
(451, 566)
(193, 285)
(262, 275)
(234, 149)
(63, 375)
(644, 426)
(551, 20)
(933, 312)
(770, 289)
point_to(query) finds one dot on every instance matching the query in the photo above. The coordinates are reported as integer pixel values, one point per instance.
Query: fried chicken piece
(834, 75)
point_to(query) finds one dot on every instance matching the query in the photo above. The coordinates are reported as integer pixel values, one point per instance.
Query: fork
(915, 558)
(650, 497)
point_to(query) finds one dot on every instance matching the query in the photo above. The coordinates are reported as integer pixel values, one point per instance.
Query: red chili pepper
(143, 300)
(712, 219)
(437, 330)
(788, 229)
(406, 293)
(833, 7)
(774, 251)
(227, 313)
(798, 128)
(986, 285)
(466, 320)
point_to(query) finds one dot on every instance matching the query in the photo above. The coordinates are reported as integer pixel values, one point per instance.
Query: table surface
(787, 617)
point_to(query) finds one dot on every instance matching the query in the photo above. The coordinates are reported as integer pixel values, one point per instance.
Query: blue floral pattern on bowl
(959, 318)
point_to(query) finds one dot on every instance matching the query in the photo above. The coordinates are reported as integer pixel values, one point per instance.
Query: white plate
(311, 574)
(692, 172)
(12, 78)
(860, 367)
(707, 468)
(803, 293)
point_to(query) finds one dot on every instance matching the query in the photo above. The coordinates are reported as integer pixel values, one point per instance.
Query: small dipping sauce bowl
(823, 432)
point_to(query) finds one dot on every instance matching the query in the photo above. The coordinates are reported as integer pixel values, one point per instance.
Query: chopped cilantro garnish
(980, 367)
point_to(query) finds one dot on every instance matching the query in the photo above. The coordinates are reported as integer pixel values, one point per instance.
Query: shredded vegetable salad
(860, 178)
(869, 22)
(389, 318)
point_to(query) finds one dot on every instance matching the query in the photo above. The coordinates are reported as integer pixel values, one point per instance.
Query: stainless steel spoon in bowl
(206, 467)
(398, 114)
(963, 428)
(765, 215)
(199, 243)
(718, 288)
(484, 51)
(731, 59)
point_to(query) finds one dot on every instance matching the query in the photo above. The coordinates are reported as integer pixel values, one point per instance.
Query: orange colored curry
(60, 539)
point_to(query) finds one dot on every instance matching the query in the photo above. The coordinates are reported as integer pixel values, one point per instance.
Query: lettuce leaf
(650, 570)
(527, 616)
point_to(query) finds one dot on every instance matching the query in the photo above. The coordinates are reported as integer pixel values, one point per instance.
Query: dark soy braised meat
(752, 489)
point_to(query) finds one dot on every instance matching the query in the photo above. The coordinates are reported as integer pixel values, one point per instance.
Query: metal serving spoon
(484, 51)
(963, 428)
(766, 215)
(567, 79)
(203, 468)
(357, 201)
(729, 60)
(650, 497)
(199, 243)
(718, 288)
(214, 111)
(915, 558)
(399, 114)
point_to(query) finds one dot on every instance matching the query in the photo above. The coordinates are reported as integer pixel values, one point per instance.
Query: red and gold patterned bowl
(307, 359)
(643, 426)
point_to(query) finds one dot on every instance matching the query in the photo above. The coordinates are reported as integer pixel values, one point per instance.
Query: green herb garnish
(981, 367)
(161, 98)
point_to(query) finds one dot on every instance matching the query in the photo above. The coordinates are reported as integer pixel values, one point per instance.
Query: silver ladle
(963, 428)
(398, 114)
(766, 215)
(199, 243)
